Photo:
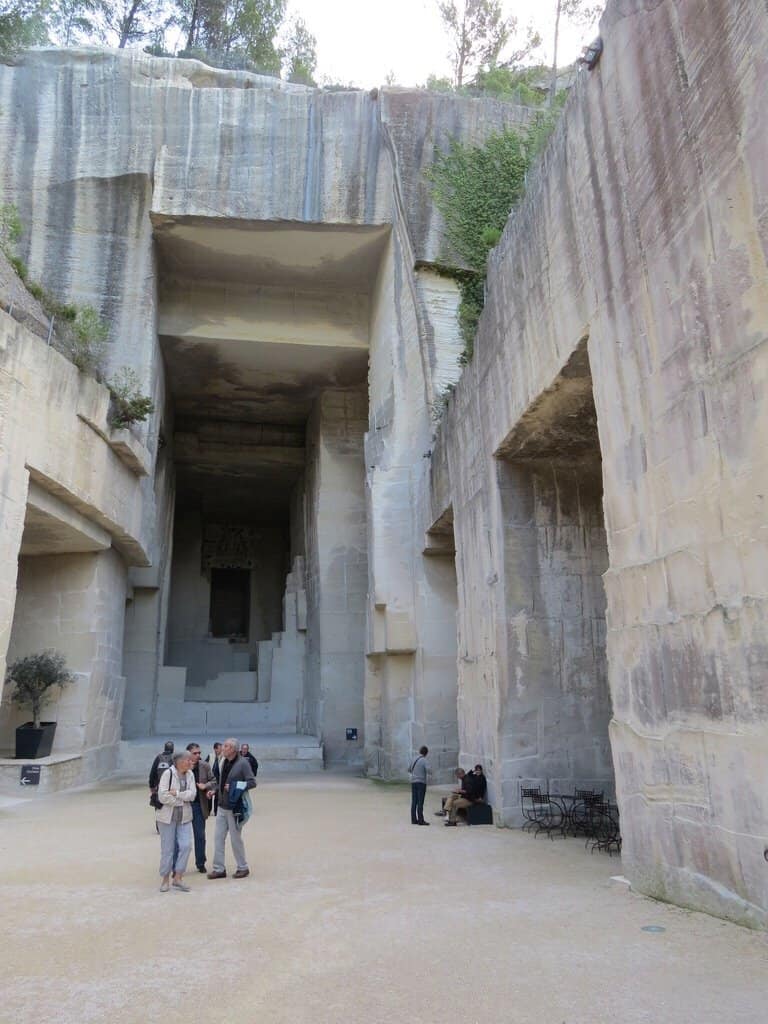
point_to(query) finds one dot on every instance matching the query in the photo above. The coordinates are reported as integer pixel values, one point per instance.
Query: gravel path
(350, 914)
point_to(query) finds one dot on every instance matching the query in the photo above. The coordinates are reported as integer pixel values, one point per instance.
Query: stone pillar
(337, 572)
(411, 641)
(142, 616)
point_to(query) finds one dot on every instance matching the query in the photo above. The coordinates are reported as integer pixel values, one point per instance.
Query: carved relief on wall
(230, 546)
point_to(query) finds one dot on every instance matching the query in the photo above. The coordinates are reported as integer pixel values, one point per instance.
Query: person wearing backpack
(163, 760)
(418, 771)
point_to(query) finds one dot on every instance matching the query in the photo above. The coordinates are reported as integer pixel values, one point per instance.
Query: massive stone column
(337, 569)
(411, 641)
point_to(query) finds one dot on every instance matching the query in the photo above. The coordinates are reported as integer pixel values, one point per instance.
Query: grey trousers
(225, 824)
(174, 839)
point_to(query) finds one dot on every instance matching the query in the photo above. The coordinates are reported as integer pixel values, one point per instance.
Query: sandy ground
(350, 914)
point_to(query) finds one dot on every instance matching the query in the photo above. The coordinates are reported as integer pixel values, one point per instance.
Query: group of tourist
(472, 788)
(185, 790)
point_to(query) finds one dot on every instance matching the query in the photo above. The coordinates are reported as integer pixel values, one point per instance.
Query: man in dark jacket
(201, 805)
(245, 751)
(235, 777)
(474, 789)
(163, 760)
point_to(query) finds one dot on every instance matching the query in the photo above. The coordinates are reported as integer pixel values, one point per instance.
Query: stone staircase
(277, 684)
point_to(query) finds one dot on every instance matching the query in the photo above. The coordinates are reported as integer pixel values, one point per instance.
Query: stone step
(275, 752)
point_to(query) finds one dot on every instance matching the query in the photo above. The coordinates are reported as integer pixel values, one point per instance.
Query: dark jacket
(252, 762)
(161, 762)
(475, 787)
(204, 775)
(232, 772)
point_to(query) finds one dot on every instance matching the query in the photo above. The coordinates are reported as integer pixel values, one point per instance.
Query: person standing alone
(418, 771)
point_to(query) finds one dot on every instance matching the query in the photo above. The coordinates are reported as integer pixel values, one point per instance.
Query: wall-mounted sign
(351, 734)
(30, 775)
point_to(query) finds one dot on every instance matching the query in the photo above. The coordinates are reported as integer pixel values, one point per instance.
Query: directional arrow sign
(30, 775)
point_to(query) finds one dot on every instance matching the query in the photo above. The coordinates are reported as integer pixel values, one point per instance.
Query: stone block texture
(557, 569)
(642, 237)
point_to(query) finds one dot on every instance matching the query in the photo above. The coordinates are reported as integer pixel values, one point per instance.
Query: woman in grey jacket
(176, 792)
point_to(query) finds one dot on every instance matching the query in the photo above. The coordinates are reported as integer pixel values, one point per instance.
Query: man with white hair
(235, 778)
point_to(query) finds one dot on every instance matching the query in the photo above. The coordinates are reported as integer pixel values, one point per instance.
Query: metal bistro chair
(606, 833)
(581, 822)
(539, 811)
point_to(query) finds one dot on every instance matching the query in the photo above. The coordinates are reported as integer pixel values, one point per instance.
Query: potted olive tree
(33, 678)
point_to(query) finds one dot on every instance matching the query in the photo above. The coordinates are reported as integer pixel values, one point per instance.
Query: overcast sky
(360, 42)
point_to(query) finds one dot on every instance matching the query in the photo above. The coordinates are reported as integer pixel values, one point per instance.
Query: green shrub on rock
(84, 338)
(128, 404)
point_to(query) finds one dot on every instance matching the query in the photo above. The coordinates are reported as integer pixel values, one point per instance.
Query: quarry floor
(350, 914)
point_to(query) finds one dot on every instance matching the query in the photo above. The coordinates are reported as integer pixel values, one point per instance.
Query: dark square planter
(34, 743)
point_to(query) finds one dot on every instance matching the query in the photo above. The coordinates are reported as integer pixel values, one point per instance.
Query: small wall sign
(351, 734)
(30, 775)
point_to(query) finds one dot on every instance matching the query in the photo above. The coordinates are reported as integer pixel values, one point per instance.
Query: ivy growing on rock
(475, 188)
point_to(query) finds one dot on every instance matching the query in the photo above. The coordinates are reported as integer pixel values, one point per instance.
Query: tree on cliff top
(127, 21)
(478, 32)
(234, 31)
(582, 12)
(73, 21)
(300, 54)
(22, 23)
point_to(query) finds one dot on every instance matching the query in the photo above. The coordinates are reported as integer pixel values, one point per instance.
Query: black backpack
(154, 800)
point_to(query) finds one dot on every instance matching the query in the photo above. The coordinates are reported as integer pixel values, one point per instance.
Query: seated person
(474, 790)
(460, 774)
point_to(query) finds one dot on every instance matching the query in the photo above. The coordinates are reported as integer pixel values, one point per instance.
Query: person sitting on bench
(474, 790)
(447, 800)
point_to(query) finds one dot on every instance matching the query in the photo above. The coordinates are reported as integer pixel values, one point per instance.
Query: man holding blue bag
(235, 778)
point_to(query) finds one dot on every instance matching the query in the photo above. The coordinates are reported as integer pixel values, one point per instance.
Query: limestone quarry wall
(103, 148)
(643, 230)
(610, 427)
(93, 140)
(71, 506)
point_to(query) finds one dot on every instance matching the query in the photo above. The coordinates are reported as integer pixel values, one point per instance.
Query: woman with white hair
(176, 792)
